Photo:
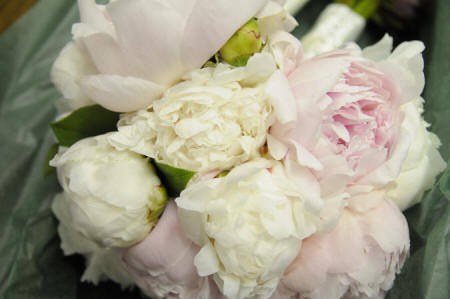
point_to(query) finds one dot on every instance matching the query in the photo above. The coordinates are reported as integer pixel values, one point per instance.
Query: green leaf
(48, 170)
(174, 179)
(85, 122)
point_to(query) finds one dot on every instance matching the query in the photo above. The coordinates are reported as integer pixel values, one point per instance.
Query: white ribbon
(336, 25)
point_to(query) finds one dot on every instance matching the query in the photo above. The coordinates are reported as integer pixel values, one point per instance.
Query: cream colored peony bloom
(215, 119)
(249, 225)
(114, 197)
(101, 263)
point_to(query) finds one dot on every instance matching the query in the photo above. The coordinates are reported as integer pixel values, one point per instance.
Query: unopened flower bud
(243, 44)
(114, 197)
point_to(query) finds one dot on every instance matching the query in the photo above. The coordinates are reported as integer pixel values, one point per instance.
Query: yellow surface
(11, 10)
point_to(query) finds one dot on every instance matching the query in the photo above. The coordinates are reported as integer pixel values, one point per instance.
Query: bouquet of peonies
(202, 155)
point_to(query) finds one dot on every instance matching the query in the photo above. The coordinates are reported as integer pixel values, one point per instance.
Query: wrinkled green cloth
(32, 264)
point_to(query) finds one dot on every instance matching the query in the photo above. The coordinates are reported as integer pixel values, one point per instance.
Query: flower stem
(365, 8)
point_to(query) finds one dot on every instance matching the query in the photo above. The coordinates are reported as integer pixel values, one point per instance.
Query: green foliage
(174, 179)
(84, 122)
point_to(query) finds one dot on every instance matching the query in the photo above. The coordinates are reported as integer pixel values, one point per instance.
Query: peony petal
(259, 67)
(273, 17)
(307, 184)
(107, 55)
(107, 263)
(305, 157)
(308, 271)
(204, 33)
(277, 149)
(389, 170)
(334, 184)
(231, 286)
(188, 127)
(94, 15)
(100, 263)
(417, 128)
(404, 193)
(405, 66)
(358, 258)
(286, 49)
(381, 220)
(304, 79)
(366, 201)
(379, 51)
(151, 32)
(165, 250)
(281, 98)
(163, 263)
(121, 94)
(206, 261)
(193, 226)
(70, 66)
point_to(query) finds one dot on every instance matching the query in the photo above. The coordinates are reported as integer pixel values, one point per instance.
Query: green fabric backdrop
(32, 265)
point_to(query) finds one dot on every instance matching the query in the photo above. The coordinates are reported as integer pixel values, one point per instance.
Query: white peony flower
(250, 224)
(101, 263)
(114, 197)
(215, 119)
(423, 162)
(141, 47)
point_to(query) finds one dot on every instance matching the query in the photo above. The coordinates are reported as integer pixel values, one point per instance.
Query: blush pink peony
(358, 259)
(339, 114)
(162, 265)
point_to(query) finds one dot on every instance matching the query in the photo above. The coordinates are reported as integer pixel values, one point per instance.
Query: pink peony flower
(162, 265)
(358, 259)
(338, 114)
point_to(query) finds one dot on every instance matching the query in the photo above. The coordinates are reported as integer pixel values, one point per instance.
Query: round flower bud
(243, 44)
(114, 197)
